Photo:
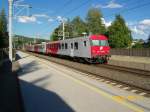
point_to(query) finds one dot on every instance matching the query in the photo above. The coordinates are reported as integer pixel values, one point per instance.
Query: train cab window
(76, 45)
(62, 46)
(71, 45)
(84, 43)
(66, 46)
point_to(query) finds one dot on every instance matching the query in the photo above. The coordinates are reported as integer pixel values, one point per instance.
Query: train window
(66, 46)
(99, 43)
(62, 46)
(104, 43)
(84, 43)
(76, 45)
(59, 46)
(71, 45)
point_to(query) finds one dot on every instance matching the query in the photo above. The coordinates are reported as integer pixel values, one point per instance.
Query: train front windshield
(99, 43)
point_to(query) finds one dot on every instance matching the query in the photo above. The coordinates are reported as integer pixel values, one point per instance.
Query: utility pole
(63, 23)
(10, 28)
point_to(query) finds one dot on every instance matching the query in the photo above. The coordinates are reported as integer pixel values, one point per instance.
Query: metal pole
(10, 29)
(63, 30)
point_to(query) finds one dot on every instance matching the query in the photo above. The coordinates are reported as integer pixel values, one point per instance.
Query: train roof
(98, 37)
(93, 37)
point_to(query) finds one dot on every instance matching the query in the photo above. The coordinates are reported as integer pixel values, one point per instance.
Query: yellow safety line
(119, 100)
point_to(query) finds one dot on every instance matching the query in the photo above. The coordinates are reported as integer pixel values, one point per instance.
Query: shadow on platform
(28, 68)
(18, 57)
(37, 99)
(10, 98)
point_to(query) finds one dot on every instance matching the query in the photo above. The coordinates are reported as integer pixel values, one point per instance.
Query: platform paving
(49, 87)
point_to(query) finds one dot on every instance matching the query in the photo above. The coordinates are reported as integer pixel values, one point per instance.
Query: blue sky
(45, 15)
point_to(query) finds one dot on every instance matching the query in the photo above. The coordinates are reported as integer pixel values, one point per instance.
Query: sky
(44, 16)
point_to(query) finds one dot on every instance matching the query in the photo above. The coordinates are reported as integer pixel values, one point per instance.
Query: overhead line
(84, 3)
(130, 9)
(74, 9)
(58, 11)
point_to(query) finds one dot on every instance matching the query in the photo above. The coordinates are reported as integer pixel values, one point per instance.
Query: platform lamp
(10, 2)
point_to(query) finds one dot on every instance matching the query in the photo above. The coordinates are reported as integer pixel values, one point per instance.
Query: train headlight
(101, 48)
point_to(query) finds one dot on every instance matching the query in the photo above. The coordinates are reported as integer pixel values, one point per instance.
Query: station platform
(136, 62)
(50, 87)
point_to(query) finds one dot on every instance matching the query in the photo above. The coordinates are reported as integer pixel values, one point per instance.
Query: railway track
(126, 69)
(135, 78)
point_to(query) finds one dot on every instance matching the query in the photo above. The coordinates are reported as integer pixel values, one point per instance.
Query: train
(91, 49)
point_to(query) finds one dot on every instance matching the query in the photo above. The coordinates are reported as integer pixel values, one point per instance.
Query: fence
(145, 52)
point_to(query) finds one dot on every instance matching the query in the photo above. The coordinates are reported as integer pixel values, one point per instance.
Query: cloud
(41, 15)
(26, 19)
(112, 4)
(50, 20)
(59, 18)
(141, 28)
(138, 31)
(34, 18)
(145, 22)
(107, 24)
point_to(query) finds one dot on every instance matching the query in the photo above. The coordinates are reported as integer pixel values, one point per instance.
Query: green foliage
(68, 30)
(79, 26)
(54, 36)
(119, 34)
(94, 21)
(3, 30)
(148, 42)
(138, 45)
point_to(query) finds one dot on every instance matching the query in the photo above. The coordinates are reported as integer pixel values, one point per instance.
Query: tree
(3, 30)
(59, 29)
(148, 41)
(119, 34)
(54, 36)
(138, 45)
(94, 21)
(79, 26)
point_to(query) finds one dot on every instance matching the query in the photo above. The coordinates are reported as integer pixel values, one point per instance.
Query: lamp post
(10, 28)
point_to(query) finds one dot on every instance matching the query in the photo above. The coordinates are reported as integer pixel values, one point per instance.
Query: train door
(72, 50)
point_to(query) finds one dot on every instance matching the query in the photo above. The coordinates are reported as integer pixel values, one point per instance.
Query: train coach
(92, 49)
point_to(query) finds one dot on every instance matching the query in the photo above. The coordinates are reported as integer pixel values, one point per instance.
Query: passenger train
(91, 49)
